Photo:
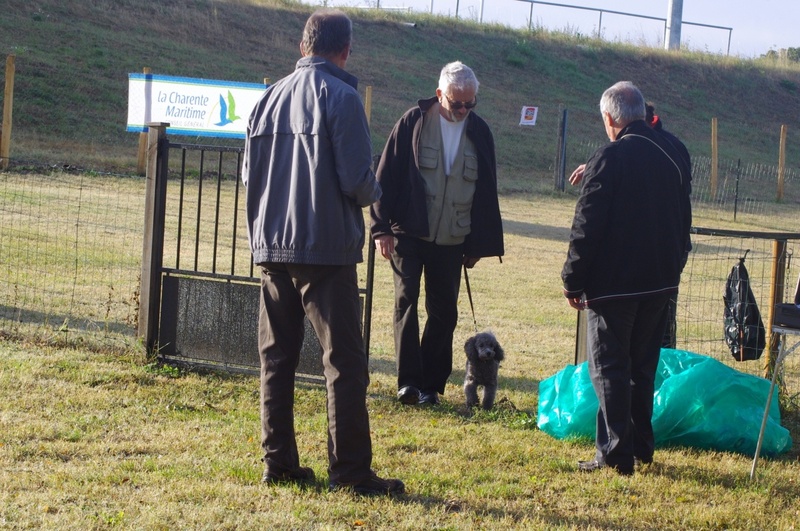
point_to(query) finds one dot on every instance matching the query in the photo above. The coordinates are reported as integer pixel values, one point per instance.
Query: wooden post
(776, 288)
(368, 103)
(781, 162)
(142, 156)
(8, 111)
(153, 238)
(714, 159)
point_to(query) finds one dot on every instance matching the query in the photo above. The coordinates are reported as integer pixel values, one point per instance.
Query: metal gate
(199, 298)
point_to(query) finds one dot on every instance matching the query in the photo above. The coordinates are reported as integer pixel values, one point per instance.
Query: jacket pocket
(461, 222)
(428, 158)
(470, 167)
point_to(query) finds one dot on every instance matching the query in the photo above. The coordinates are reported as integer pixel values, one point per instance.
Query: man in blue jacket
(308, 172)
(627, 249)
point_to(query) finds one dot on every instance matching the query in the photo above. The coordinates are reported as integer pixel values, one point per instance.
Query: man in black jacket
(439, 211)
(627, 249)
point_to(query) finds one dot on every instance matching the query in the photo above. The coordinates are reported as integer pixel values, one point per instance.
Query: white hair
(457, 76)
(624, 102)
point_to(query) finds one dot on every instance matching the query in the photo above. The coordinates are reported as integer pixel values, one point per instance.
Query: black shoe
(301, 474)
(373, 486)
(429, 397)
(594, 465)
(642, 461)
(408, 395)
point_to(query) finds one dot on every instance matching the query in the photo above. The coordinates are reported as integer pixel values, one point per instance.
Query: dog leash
(469, 294)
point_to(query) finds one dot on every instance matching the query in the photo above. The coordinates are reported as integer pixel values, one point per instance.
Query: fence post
(736, 189)
(581, 354)
(561, 155)
(776, 287)
(8, 110)
(781, 162)
(600, 25)
(153, 240)
(530, 18)
(367, 325)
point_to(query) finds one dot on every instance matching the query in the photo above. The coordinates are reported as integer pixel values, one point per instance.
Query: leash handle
(469, 294)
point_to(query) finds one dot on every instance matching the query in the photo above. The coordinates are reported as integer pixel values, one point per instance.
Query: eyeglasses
(457, 105)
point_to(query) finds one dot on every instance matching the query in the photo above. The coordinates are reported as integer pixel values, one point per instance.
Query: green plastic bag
(568, 404)
(698, 402)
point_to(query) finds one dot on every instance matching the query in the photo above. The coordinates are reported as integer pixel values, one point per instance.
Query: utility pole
(672, 38)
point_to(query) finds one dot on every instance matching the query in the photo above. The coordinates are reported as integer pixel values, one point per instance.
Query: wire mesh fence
(746, 189)
(71, 245)
(701, 306)
(70, 249)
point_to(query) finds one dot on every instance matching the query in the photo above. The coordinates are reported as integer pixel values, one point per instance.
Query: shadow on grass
(63, 323)
(387, 366)
(536, 230)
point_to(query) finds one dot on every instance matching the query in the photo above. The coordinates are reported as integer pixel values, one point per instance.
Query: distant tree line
(789, 54)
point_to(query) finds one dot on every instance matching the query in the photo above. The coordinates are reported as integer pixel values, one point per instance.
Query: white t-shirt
(451, 137)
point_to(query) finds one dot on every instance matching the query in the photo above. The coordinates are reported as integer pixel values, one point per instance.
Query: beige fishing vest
(449, 198)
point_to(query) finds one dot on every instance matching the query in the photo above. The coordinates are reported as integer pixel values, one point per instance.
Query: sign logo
(227, 111)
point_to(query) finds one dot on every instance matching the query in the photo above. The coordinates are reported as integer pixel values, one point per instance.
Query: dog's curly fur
(484, 355)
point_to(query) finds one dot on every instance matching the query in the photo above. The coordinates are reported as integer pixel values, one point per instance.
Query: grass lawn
(103, 438)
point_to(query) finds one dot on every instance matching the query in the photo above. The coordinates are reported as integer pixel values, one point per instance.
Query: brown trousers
(328, 296)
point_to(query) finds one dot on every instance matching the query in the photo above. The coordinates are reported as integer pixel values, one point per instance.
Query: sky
(757, 26)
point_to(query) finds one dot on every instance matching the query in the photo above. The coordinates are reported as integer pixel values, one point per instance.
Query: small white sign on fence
(193, 107)
(528, 115)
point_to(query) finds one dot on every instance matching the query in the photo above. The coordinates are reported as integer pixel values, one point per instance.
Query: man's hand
(385, 244)
(577, 175)
(470, 261)
(576, 302)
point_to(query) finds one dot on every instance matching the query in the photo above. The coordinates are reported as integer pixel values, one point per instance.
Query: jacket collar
(636, 126)
(320, 63)
(427, 103)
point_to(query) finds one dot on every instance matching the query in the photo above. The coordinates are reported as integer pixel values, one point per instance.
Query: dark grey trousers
(425, 363)
(328, 295)
(624, 344)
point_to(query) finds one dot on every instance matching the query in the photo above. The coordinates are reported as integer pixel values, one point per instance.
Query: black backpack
(744, 331)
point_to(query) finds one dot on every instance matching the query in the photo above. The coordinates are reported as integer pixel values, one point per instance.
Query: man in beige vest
(439, 211)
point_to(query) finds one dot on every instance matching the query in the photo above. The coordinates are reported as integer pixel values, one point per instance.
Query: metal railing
(377, 4)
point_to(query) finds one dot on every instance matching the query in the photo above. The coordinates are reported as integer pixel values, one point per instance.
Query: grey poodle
(484, 355)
